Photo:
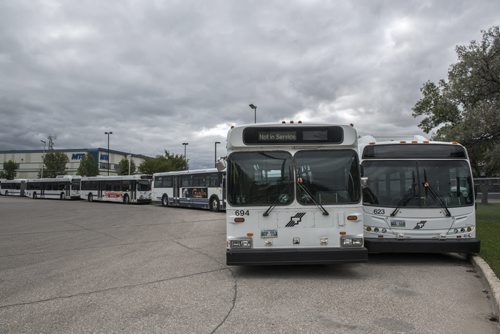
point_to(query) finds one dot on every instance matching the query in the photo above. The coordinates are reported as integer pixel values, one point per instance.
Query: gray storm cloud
(161, 73)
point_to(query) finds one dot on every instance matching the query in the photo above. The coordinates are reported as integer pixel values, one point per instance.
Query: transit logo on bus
(420, 225)
(295, 220)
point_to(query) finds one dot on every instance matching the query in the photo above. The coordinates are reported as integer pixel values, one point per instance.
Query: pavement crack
(233, 302)
(113, 288)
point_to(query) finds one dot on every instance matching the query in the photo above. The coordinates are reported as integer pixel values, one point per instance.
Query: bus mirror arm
(364, 182)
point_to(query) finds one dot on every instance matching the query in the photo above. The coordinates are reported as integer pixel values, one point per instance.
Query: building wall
(30, 162)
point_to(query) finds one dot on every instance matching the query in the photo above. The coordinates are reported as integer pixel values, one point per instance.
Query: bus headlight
(349, 241)
(240, 243)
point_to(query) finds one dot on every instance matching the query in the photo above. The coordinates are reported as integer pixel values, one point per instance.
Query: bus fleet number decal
(378, 211)
(242, 213)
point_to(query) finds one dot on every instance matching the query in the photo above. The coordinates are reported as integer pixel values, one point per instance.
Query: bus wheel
(164, 200)
(34, 195)
(214, 204)
(62, 196)
(90, 198)
(126, 199)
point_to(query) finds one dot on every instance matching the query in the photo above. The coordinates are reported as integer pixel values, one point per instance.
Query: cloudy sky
(160, 73)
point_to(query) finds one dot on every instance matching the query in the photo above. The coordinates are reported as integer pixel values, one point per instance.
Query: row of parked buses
(202, 188)
(310, 194)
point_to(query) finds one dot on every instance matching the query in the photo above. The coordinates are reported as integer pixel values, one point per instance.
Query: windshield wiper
(427, 186)
(273, 205)
(325, 213)
(407, 197)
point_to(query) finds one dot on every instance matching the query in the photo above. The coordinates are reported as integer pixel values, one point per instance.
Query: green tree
(9, 170)
(54, 164)
(163, 163)
(123, 167)
(466, 106)
(88, 166)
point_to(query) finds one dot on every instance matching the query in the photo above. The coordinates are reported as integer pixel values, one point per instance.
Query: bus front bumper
(423, 245)
(287, 256)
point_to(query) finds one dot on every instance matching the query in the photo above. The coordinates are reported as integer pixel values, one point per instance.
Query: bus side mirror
(364, 182)
(221, 165)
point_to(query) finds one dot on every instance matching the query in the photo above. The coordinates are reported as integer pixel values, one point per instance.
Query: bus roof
(417, 148)
(116, 177)
(187, 172)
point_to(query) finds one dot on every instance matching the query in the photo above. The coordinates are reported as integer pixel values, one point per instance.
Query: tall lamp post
(254, 107)
(217, 142)
(109, 160)
(185, 144)
(129, 158)
(43, 157)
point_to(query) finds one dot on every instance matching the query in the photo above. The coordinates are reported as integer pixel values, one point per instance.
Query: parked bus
(14, 187)
(61, 187)
(122, 189)
(293, 195)
(202, 188)
(419, 197)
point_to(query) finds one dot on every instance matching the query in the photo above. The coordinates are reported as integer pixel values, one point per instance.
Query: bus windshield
(330, 177)
(260, 178)
(401, 183)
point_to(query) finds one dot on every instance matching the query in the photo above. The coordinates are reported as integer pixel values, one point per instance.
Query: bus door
(67, 187)
(133, 189)
(100, 185)
(176, 188)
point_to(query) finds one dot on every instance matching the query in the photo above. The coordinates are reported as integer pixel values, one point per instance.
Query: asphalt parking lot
(79, 267)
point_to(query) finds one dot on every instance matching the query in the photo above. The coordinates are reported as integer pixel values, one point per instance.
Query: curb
(491, 279)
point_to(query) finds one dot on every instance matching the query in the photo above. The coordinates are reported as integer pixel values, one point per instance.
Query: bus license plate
(398, 223)
(264, 234)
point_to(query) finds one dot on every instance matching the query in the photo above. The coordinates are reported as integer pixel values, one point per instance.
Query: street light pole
(217, 142)
(185, 158)
(254, 107)
(109, 160)
(43, 157)
(129, 158)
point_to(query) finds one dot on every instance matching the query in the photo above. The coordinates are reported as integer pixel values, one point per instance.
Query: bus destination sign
(277, 136)
(293, 135)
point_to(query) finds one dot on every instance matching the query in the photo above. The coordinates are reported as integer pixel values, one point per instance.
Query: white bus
(201, 188)
(419, 197)
(122, 189)
(293, 195)
(62, 187)
(14, 187)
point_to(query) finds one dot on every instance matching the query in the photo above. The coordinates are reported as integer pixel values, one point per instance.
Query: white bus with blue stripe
(293, 195)
(418, 197)
(200, 188)
(61, 187)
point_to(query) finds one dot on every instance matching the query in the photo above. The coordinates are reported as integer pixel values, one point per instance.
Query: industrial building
(31, 161)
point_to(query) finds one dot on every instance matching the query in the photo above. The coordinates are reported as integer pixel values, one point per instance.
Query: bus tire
(34, 195)
(126, 199)
(164, 200)
(62, 196)
(90, 198)
(214, 203)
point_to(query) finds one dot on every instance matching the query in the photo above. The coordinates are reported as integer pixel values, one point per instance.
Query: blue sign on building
(104, 157)
(77, 156)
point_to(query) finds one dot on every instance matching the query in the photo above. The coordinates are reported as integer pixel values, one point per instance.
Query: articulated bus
(14, 187)
(122, 189)
(418, 197)
(293, 195)
(201, 188)
(62, 187)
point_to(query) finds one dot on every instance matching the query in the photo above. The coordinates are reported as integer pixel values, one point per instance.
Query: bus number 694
(242, 213)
